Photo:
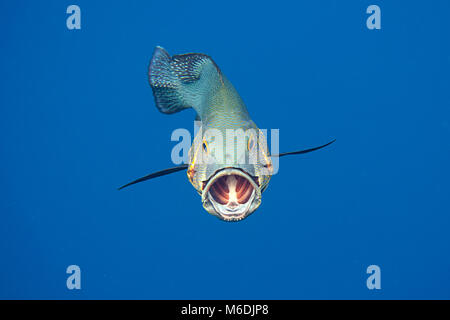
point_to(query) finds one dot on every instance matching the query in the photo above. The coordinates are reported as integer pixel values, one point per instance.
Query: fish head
(230, 169)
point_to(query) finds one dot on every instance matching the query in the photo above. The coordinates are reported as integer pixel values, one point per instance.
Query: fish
(229, 163)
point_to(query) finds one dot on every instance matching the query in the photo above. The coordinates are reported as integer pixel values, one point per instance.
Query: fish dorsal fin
(180, 81)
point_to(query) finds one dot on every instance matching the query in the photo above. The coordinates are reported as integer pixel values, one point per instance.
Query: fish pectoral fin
(304, 151)
(156, 174)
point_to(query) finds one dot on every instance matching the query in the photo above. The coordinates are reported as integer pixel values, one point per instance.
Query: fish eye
(251, 143)
(205, 146)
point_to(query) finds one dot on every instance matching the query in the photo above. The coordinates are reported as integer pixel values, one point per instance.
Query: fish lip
(255, 200)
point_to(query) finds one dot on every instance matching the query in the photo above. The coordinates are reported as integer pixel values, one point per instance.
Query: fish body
(229, 163)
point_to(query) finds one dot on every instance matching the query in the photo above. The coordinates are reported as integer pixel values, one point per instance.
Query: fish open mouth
(231, 194)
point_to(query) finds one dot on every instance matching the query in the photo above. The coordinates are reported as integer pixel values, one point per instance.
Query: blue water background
(77, 120)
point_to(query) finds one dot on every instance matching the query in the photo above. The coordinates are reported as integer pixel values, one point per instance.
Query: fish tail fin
(178, 82)
(165, 84)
